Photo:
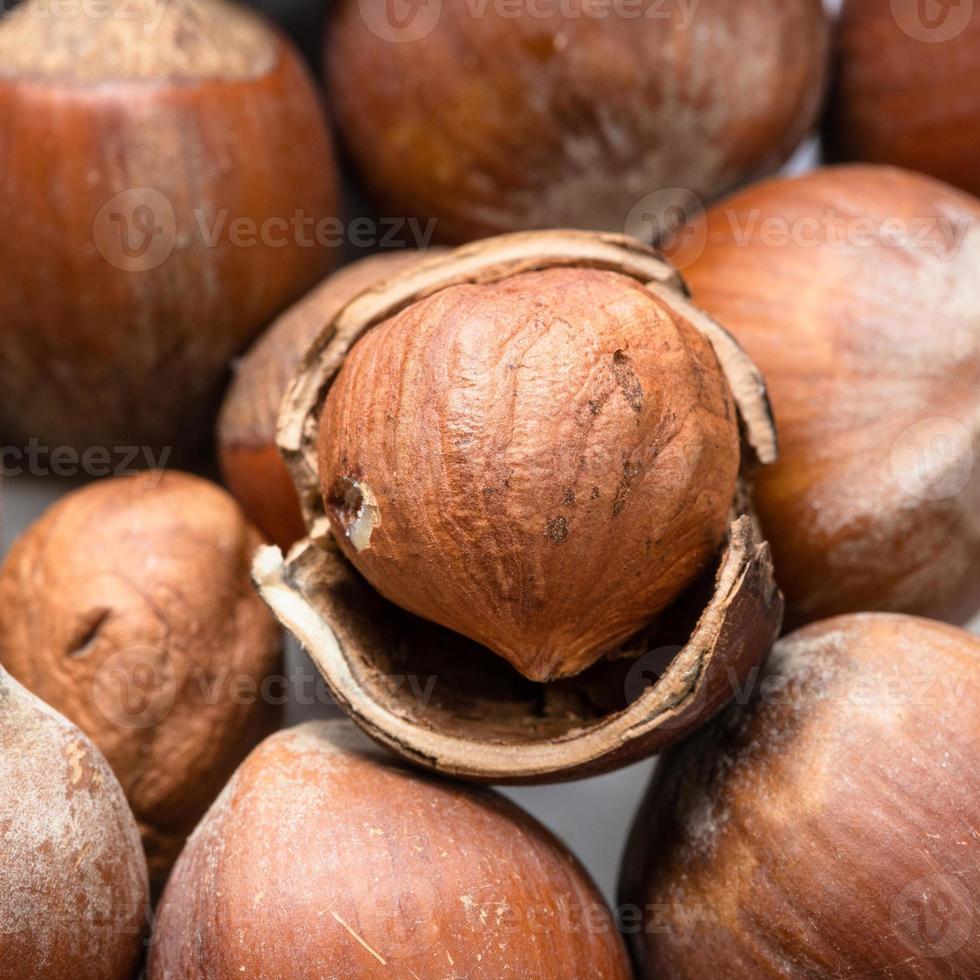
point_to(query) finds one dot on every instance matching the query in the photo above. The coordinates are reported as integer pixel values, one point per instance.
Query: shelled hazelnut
(855, 290)
(906, 91)
(73, 888)
(829, 827)
(493, 119)
(401, 874)
(519, 465)
(250, 462)
(128, 607)
(157, 157)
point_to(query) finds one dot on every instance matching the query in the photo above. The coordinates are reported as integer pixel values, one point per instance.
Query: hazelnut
(530, 449)
(250, 462)
(73, 890)
(906, 90)
(128, 607)
(401, 875)
(155, 154)
(542, 464)
(493, 120)
(855, 291)
(828, 828)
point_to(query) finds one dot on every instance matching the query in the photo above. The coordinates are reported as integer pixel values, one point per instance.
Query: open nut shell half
(446, 703)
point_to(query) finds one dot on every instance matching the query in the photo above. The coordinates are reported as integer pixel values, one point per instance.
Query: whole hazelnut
(855, 290)
(73, 889)
(521, 473)
(251, 466)
(542, 464)
(156, 159)
(128, 607)
(491, 119)
(906, 91)
(325, 857)
(829, 827)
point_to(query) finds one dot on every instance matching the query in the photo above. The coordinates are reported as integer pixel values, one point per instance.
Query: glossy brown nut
(326, 857)
(250, 462)
(491, 119)
(156, 157)
(435, 696)
(73, 889)
(906, 91)
(855, 291)
(829, 827)
(128, 607)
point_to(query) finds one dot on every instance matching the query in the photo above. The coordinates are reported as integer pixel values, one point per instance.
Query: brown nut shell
(494, 118)
(162, 166)
(324, 856)
(828, 828)
(449, 704)
(128, 607)
(250, 463)
(855, 290)
(73, 890)
(906, 90)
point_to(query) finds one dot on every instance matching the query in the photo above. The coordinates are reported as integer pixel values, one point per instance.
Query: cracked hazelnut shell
(491, 122)
(153, 154)
(905, 92)
(441, 699)
(73, 888)
(402, 875)
(251, 466)
(829, 827)
(867, 331)
(128, 607)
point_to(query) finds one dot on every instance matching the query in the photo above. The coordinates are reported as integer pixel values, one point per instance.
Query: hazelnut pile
(670, 453)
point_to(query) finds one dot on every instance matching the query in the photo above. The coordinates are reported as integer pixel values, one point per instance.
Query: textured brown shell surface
(250, 463)
(547, 119)
(877, 354)
(73, 885)
(829, 828)
(550, 459)
(186, 40)
(134, 356)
(132, 579)
(908, 97)
(400, 873)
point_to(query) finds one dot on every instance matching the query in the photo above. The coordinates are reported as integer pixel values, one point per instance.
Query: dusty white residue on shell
(73, 873)
(136, 39)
